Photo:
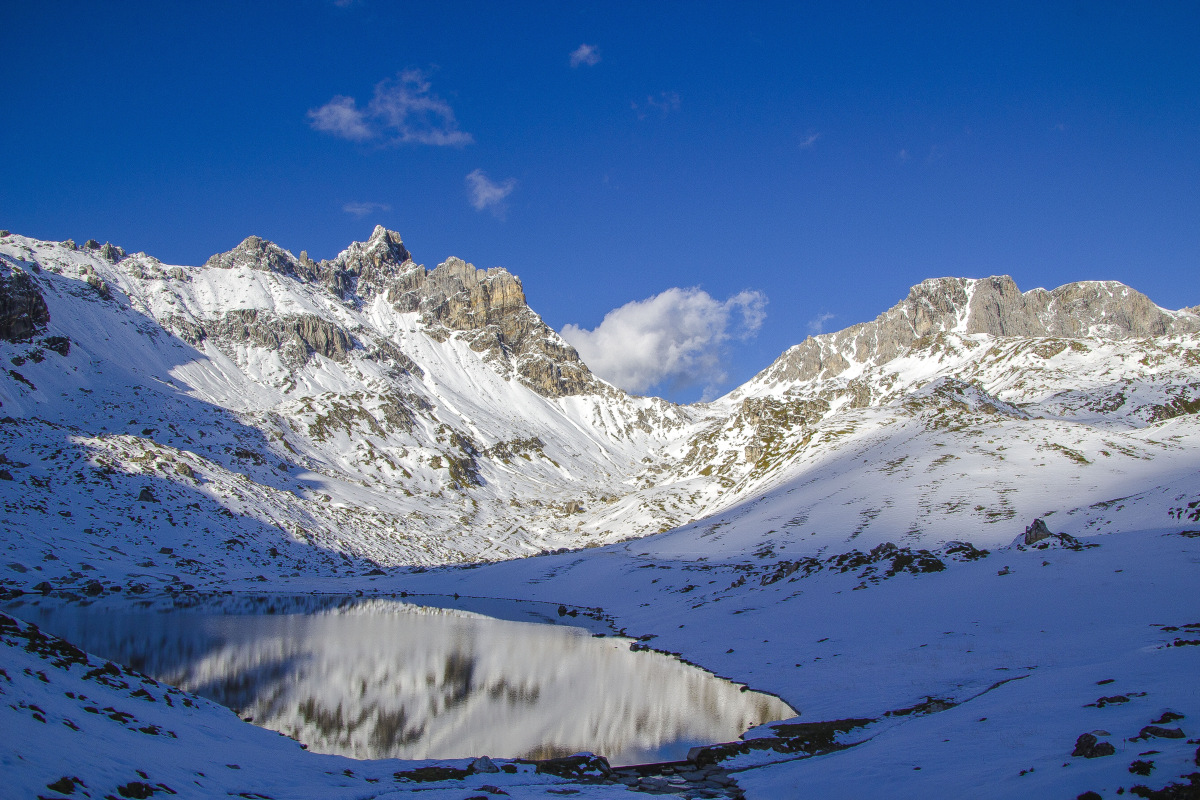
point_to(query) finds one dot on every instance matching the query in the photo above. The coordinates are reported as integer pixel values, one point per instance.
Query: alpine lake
(386, 677)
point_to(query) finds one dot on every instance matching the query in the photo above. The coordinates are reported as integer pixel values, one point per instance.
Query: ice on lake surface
(383, 678)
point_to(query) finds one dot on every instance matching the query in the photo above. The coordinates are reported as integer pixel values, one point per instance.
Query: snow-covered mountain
(853, 529)
(267, 415)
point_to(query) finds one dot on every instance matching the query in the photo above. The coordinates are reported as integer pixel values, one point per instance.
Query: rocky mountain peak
(380, 265)
(995, 306)
(385, 245)
(1103, 309)
(486, 307)
(256, 253)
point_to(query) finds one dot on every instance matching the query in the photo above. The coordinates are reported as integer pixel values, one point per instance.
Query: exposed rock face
(1105, 309)
(1036, 532)
(296, 337)
(488, 307)
(23, 311)
(1101, 309)
(109, 252)
(380, 264)
(256, 253)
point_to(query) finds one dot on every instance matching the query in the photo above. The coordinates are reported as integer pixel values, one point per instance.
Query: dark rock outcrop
(23, 311)
(1036, 532)
(297, 337)
(1088, 746)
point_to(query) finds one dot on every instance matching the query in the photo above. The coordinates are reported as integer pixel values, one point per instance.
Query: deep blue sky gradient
(1053, 142)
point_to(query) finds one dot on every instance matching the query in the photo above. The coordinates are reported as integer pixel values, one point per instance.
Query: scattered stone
(581, 765)
(1172, 791)
(59, 344)
(1088, 746)
(482, 765)
(136, 790)
(931, 705)
(431, 773)
(147, 496)
(1158, 732)
(63, 785)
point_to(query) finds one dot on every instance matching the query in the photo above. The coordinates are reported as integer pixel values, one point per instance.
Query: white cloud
(341, 117)
(664, 103)
(585, 54)
(486, 194)
(679, 337)
(809, 141)
(402, 111)
(363, 209)
(817, 323)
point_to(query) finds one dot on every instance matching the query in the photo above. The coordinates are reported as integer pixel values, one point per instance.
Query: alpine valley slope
(267, 415)
(846, 530)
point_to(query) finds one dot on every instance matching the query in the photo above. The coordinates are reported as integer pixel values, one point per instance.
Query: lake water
(385, 678)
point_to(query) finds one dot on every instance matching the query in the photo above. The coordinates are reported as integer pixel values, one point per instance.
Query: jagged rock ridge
(487, 307)
(995, 306)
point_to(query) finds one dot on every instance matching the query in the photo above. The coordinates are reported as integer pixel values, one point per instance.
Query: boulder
(1036, 532)
(1088, 746)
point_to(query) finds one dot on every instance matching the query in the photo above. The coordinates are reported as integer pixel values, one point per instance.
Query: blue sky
(721, 179)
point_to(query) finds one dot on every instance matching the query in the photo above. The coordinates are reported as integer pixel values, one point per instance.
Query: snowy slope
(291, 416)
(266, 415)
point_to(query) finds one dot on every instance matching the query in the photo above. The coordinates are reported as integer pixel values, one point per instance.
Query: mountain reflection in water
(379, 678)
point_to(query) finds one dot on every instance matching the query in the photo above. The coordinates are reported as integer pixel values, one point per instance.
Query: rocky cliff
(1104, 310)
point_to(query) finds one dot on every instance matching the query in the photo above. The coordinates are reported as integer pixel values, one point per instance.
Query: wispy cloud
(817, 324)
(903, 155)
(679, 337)
(341, 117)
(363, 209)
(587, 54)
(663, 102)
(808, 141)
(487, 195)
(402, 111)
